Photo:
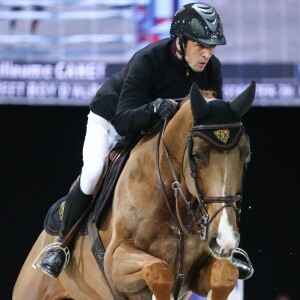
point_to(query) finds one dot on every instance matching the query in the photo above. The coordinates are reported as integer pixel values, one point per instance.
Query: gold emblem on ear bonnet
(222, 135)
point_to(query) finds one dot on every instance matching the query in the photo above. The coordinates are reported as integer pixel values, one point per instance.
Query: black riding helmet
(199, 22)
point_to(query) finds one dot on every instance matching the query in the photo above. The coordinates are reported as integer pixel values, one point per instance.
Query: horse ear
(199, 106)
(242, 102)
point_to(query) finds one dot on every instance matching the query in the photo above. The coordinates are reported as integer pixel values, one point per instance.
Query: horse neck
(175, 137)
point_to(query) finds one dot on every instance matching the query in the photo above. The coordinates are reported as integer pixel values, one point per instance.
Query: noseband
(204, 221)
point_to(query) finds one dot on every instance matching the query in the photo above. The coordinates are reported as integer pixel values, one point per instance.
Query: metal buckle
(203, 224)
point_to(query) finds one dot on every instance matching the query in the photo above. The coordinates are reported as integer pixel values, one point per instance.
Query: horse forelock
(207, 94)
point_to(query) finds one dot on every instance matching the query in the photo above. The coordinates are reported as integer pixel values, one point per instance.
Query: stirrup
(46, 250)
(246, 256)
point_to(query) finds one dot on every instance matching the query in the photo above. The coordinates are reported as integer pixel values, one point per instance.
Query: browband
(221, 136)
(217, 126)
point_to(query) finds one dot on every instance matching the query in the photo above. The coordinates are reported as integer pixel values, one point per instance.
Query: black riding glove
(165, 108)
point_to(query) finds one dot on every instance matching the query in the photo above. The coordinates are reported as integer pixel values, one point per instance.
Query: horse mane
(207, 94)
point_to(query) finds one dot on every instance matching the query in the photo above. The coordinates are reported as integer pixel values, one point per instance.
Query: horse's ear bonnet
(218, 122)
(199, 105)
(219, 111)
(242, 102)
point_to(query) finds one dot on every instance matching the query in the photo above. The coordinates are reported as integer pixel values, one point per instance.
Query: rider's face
(197, 55)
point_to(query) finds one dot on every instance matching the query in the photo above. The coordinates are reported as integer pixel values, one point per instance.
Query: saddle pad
(52, 220)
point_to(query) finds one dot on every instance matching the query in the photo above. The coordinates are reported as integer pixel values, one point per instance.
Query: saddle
(105, 187)
(103, 191)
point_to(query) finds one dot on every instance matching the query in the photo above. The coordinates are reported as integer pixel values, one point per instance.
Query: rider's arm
(135, 109)
(215, 76)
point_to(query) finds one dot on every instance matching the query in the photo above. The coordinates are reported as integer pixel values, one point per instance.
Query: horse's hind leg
(131, 270)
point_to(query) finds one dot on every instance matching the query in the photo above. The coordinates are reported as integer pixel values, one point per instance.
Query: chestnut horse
(172, 228)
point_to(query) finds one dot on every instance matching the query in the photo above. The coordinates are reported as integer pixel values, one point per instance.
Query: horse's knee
(224, 273)
(157, 271)
(224, 276)
(159, 278)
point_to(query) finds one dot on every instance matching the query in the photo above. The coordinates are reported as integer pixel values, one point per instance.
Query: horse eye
(201, 156)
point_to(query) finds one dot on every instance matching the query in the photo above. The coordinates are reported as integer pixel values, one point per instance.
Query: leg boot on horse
(75, 205)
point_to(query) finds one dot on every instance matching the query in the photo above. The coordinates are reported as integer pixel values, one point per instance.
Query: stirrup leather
(47, 249)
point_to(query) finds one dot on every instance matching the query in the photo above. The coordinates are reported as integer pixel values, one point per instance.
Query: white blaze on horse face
(226, 237)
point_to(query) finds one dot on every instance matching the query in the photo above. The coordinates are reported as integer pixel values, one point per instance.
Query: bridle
(204, 221)
(228, 200)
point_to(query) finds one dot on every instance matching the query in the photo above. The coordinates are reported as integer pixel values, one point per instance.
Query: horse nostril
(215, 247)
(218, 247)
(213, 244)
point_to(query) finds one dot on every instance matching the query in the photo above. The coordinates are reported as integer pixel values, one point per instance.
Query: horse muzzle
(222, 247)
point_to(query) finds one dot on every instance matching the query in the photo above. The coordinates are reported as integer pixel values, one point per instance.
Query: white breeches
(99, 139)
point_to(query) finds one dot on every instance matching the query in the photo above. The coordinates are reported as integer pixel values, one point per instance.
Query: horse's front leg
(131, 270)
(217, 279)
(224, 276)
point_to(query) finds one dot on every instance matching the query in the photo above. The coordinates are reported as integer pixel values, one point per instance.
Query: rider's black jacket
(153, 72)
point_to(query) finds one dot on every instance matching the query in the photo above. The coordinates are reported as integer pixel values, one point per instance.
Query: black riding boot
(243, 264)
(76, 203)
(245, 270)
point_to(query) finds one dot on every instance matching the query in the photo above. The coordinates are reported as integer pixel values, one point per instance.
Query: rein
(179, 228)
(204, 222)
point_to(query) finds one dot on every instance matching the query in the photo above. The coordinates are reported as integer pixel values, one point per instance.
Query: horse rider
(138, 96)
